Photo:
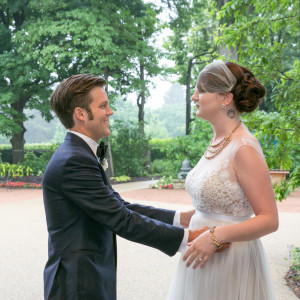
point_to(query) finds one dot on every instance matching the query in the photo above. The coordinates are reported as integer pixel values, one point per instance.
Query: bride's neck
(222, 128)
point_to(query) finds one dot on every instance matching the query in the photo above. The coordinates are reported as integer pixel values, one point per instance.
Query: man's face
(97, 125)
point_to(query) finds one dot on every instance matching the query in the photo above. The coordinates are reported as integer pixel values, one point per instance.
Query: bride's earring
(223, 106)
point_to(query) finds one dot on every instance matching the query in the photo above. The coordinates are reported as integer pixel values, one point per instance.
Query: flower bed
(163, 183)
(25, 182)
(20, 185)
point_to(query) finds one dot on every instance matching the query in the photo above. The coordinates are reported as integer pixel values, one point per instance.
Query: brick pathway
(291, 204)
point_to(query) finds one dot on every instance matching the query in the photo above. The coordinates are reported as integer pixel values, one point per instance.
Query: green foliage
(36, 149)
(265, 37)
(128, 149)
(160, 167)
(24, 82)
(168, 154)
(270, 31)
(14, 170)
(38, 163)
(122, 178)
(191, 146)
(43, 42)
(158, 148)
(194, 26)
(294, 259)
(285, 187)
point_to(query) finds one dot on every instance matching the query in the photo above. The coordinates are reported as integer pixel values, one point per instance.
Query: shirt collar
(93, 145)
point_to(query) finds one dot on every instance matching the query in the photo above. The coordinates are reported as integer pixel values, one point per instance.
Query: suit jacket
(83, 213)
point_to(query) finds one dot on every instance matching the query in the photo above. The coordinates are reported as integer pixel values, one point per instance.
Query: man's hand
(194, 233)
(185, 218)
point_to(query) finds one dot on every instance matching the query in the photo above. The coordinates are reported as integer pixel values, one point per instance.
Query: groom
(83, 212)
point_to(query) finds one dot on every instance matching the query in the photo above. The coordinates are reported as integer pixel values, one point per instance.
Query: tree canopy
(260, 35)
(46, 41)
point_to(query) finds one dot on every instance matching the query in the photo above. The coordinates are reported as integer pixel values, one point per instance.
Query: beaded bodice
(213, 184)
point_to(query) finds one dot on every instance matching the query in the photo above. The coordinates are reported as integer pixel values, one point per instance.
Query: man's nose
(109, 111)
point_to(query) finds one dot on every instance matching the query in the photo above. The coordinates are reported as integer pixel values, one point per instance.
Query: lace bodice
(213, 184)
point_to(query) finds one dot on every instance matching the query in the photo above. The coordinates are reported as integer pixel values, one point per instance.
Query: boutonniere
(104, 164)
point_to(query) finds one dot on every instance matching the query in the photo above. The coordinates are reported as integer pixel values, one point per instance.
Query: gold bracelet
(213, 238)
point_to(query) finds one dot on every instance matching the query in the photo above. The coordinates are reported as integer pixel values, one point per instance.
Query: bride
(232, 193)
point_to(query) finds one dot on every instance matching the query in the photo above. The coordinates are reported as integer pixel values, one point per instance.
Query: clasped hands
(200, 243)
(201, 247)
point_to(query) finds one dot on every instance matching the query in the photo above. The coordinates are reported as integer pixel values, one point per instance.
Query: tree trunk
(141, 101)
(188, 118)
(228, 53)
(188, 97)
(110, 171)
(17, 141)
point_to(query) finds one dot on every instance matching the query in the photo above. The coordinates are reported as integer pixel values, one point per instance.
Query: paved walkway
(143, 272)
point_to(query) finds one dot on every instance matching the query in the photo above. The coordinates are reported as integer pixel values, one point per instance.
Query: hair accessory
(216, 78)
(213, 238)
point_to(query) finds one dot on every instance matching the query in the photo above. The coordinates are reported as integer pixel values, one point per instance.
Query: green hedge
(159, 148)
(37, 149)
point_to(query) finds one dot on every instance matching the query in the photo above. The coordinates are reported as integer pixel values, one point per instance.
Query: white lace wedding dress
(242, 271)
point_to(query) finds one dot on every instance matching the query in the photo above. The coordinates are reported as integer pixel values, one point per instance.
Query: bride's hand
(201, 249)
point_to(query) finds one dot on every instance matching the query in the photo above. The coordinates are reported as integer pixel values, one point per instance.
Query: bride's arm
(253, 176)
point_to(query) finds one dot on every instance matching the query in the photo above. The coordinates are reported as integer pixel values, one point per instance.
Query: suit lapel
(76, 139)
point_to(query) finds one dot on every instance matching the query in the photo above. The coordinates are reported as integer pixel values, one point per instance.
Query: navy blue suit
(83, 215)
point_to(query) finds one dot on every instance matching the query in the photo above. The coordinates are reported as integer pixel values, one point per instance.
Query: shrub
(38, 163)
(165, 167)
(14, 170)
(294, 258)
(128, 149)
(37, 149)
(158, 148)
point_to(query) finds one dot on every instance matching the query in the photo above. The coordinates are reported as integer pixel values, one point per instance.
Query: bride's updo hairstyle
(222, 78)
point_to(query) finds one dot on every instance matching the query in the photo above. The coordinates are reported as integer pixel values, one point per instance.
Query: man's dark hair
(74, 92)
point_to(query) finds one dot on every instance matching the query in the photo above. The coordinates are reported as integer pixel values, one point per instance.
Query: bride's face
(208, 104)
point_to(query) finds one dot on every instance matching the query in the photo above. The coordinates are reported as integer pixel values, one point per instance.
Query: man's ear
(79, 114)
(228, 98)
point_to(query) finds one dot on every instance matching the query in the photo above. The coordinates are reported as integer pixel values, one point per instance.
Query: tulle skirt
(239, 273)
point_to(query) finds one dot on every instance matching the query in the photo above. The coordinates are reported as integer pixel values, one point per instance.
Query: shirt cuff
(176, 220)
(182, 247)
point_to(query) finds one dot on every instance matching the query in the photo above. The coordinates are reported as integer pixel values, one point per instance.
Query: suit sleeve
(163, 215)
(82, 183)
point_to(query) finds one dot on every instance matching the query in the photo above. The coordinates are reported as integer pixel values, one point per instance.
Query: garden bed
(35, 181)
(293, 281)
